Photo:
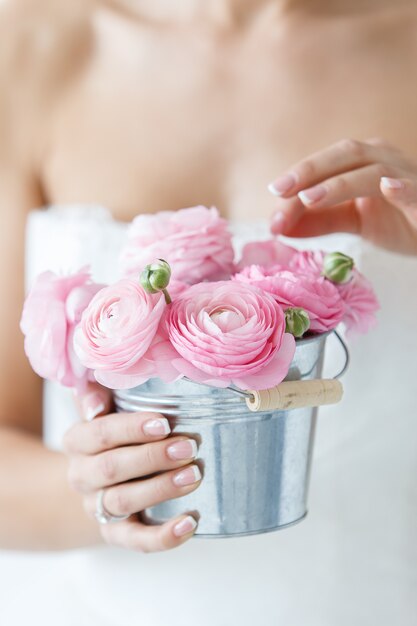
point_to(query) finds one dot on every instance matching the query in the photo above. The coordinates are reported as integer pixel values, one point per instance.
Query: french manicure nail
(282, 185)
(392, 183)
(185, 526)
(186, 449)
(92, 405)
(157, 427)
(187, 476)
(314, 194)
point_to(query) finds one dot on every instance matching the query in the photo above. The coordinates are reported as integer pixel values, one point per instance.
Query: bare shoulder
(43, 39)
(42, 44)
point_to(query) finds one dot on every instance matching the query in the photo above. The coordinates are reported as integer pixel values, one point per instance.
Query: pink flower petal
(196, 242)
(50, 315)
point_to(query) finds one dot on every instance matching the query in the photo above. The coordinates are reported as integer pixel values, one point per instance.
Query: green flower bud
(297, 321)
(338, 267)
(155, 277)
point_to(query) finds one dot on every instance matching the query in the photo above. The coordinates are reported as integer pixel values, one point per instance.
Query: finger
(134, 535)
(287, 214)
(114, 431)
(130, 498)
(339, 219)
(363, 182)
(89, 473)
(384, 143)
(294, 219)
(343, 156)
(96, 400)
(402, 192)
(334, 191)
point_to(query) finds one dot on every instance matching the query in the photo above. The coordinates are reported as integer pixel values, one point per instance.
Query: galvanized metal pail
(255, 466)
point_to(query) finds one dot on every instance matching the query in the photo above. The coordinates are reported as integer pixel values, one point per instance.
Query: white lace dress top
(354, 559)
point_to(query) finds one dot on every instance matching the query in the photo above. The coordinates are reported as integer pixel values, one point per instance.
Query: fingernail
(185, 526)
(186, 449)
(156, 427)
(92, 405)
(314, 194)
(187, 476)
(392, 183)
(278, 222)
(282, 185)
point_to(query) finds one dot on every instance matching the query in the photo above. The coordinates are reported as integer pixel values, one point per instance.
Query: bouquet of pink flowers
(186, 308)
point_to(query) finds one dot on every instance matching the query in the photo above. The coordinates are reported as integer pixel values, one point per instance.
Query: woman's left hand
(368, 188)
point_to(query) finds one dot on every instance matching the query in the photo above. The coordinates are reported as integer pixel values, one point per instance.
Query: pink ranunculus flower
(50, 315)
(230, 333)
(176, 287)
(361, 304)
(307, 262)
(266, 253)
(116, 335)
(316, 295)
(195, 242)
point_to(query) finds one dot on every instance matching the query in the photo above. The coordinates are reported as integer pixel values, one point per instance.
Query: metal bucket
(255, 466)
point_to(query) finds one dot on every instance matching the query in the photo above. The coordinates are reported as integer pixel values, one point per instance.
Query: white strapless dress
(352, 562)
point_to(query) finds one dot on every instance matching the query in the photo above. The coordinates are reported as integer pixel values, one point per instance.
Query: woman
(143, 106)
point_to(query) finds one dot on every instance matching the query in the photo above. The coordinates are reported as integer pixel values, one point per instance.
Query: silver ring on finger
(102, 515)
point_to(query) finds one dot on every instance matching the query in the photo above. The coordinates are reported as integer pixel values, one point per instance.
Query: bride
(110, 108)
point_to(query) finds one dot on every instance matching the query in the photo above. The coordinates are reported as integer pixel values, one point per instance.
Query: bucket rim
(227, 399)
(312, 338)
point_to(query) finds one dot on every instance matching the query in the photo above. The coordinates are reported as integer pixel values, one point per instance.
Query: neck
(227, 12)
(236, 13)
(243, 11)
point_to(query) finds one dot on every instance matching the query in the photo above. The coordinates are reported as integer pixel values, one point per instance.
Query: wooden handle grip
(296, 394)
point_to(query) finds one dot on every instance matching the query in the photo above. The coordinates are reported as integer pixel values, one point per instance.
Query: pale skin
(141, 107)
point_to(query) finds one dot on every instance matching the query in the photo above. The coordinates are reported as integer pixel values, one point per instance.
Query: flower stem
(167, 296)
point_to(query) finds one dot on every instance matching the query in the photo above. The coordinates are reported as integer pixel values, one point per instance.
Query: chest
(166, 120)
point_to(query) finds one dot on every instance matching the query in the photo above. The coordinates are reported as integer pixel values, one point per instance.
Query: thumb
(94, 401)
(402, 193)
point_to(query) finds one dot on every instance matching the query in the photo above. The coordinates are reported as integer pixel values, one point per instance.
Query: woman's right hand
(362, 187)
(121, 453)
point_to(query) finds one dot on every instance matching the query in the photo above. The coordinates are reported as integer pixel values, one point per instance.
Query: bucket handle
(297, 394)
(347, 355)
